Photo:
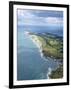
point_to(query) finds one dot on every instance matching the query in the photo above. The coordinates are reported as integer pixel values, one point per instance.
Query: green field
(51, 46)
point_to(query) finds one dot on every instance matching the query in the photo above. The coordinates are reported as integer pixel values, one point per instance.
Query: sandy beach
(36, 41)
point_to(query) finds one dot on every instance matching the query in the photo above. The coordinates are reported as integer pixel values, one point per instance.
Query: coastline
(40, 50)
(38, 43)
(49, 73)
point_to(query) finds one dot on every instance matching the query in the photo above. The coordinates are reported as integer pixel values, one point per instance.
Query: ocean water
(30, 64)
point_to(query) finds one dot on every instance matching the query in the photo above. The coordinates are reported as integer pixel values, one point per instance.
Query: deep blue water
(30, 64)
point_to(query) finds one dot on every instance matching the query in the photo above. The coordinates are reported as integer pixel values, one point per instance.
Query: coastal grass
(52, 47)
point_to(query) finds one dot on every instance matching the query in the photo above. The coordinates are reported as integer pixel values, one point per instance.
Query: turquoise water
(30, 64)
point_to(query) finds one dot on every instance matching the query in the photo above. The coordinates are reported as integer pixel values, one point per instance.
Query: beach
(36, 41)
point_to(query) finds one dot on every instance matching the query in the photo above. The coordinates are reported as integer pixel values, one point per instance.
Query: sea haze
(44, 29)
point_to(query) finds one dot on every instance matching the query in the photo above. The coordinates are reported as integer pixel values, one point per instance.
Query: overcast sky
(40, 17)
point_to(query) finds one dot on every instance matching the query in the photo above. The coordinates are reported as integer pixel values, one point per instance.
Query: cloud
(54, 20)
(25, 14)
(27, 17)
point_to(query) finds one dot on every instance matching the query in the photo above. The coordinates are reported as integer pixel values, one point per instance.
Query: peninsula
(50, 45)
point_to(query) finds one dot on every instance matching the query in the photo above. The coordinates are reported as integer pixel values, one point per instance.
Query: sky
(40, 17)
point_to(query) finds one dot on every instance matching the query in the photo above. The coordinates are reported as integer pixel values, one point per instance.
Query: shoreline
(46, 46)
(38, 44)
(49, 73)
(42, 56)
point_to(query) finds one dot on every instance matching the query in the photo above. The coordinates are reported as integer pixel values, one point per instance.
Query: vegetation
(51, 46)
(58, 73)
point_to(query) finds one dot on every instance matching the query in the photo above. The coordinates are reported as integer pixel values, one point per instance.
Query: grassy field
(51, 46)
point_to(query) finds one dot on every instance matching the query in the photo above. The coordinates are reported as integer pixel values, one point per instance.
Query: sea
(30, 64)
